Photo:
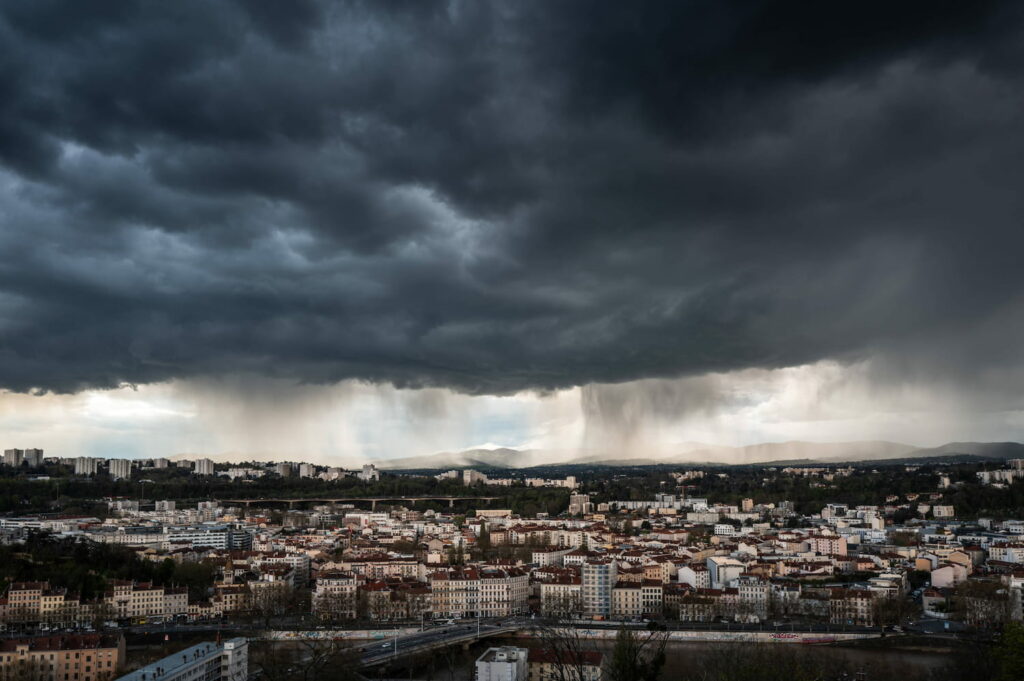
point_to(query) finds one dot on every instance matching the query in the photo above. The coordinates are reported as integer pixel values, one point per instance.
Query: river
(682, 658)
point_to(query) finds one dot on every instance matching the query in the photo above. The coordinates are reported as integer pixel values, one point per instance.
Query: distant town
(99, 549)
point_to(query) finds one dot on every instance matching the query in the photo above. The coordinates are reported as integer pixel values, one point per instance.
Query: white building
(13, 457)
(120, 468)
(369, 473)
(599, 577)
(161, 463)
(579, 504)
(86, 465)
(203, 467)
(507, 663)
(723, 570)
(471, 477)
(227, 661)
(307, 470)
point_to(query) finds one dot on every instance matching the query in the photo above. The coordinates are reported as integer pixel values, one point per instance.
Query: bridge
(341, 500)
(378, 652)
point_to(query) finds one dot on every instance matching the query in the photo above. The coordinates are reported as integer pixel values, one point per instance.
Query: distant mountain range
(698, 453)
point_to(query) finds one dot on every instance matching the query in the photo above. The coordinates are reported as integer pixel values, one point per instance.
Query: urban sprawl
(669, 555)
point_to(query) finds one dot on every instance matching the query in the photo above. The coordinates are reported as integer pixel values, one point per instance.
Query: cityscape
(387, 567)
(511, 340)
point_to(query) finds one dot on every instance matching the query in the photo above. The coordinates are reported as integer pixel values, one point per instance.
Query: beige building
(472, 592)
(562, 597)
(627, 601)
(135, 600)
(335, 595)
(86, 657)
(455, 592)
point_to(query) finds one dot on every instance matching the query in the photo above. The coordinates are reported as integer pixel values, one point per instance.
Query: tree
(198, 577)
(637, 656)
(1009, 653)
(306, 660)
(332, 607)
(985, 604)
(566, 649)
(270, 600)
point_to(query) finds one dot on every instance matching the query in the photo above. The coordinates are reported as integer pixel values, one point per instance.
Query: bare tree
(566, 650)
(272, 600)
(306, 660)
(335, 606)
(637, 656)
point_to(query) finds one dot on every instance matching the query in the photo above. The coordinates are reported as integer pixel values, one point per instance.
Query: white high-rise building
(161, 463)
(369, 472)
(86, 465)
(579, 504)
(471, 477)
(33, 457)
(13, 457)
(307, 470)
(204, 467)
(120, 468)
(599, 577)
(284, 470)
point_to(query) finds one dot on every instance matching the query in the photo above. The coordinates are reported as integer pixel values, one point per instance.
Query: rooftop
(176, 662)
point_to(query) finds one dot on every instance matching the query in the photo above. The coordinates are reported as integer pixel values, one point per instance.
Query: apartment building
(599, 576)
(86, 465)
(852, 606)
(213, 536)
(754, 596)
(696, 575)
(503, 591)
(70, 657)
(228, 599)
(120, 469)
(627, 602)
(134, 600)
(13, 457)
(1008, 552)
(334, 596)
(455, 592)
(298, 562)
(213, 661)
(827, 545)
(562, 597)
(32, 602)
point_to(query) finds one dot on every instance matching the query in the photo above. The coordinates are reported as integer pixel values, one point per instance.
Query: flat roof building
(211, 661)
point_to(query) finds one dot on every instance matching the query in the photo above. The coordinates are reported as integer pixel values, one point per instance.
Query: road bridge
(376, 653)
(341, 500)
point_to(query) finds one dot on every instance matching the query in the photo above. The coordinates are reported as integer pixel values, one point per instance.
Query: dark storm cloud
(503, 196)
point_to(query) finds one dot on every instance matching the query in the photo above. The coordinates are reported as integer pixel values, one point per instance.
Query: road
(378, 652)
(300, 624)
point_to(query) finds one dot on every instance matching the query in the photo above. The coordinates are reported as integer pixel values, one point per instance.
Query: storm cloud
(494, 197)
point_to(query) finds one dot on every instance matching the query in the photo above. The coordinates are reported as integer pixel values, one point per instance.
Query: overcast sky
(366, 229)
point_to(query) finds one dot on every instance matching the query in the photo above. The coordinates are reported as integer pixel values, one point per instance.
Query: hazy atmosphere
(353, 231)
